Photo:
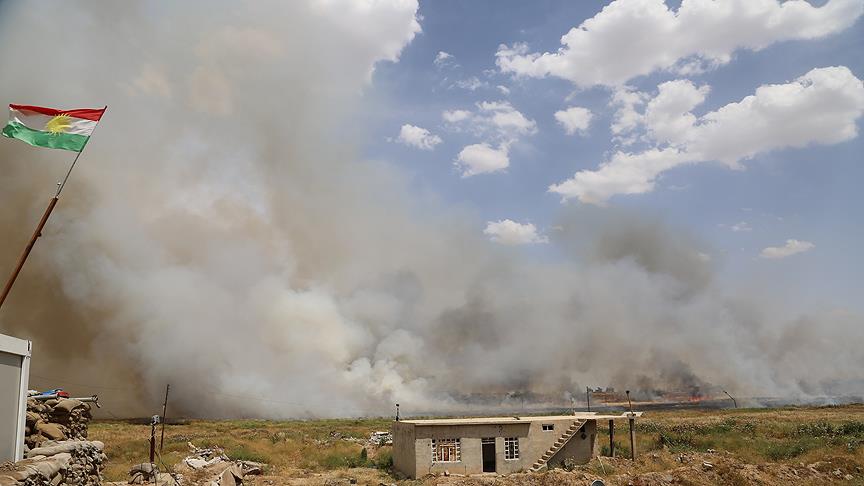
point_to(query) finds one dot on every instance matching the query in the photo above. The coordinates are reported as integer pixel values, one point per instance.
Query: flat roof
(518, 419)
(13, 345)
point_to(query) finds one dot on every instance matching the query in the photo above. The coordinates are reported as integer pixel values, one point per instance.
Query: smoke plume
(221, 234)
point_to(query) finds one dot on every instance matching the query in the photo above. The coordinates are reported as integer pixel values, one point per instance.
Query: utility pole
(733, 398)
(632, 420)
(153, 421)
(164, 411)
(588, 396)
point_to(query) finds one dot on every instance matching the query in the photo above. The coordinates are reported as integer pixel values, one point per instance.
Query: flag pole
(23, 258)
(36, 234)
(61, 185)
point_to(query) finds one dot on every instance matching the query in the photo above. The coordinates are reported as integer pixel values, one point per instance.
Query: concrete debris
(148, 473)
(143, 473)
(380, 438)
(217, 468)
(204, 458)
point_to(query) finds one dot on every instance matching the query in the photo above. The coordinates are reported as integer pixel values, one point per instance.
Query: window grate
(446, 450)
(511, 448)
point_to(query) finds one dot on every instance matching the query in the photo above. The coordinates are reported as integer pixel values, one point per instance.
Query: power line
(67, 382)
(138, 390)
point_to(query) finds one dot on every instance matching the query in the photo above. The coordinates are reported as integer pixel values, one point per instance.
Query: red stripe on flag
(84, 113)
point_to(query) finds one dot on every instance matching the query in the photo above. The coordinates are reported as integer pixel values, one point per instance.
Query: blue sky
(810, 194)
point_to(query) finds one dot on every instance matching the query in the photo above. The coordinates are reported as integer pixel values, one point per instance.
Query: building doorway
(488, 445)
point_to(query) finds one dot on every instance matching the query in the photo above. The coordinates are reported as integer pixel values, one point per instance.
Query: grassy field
(792, 436)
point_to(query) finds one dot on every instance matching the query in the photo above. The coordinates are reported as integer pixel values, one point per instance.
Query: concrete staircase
(561, 442)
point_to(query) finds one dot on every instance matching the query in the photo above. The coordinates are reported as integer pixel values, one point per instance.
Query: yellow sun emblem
(59, 124)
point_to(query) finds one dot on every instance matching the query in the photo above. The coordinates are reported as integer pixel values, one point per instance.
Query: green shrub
(677, 441)
(786, 450)
(815, 429)
(339, 460)
(854, 428)
(384, 460)
(242, 453)
(604, 449)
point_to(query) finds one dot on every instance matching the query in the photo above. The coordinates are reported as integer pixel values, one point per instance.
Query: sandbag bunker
(55, 447)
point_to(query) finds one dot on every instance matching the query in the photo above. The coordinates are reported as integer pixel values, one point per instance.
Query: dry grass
(283, 445)
(303, 448)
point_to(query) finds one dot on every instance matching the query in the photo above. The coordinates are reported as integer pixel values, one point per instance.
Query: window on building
(548, 426)
(446, 450)
(511, 448)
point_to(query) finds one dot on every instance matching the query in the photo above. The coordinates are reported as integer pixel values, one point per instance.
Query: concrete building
(494, 444)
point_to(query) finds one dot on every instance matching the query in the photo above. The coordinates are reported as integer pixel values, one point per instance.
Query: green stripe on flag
(64, 141)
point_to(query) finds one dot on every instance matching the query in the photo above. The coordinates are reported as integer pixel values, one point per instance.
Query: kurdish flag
(47, 127)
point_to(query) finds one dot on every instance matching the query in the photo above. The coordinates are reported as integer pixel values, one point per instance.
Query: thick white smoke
(221, 234)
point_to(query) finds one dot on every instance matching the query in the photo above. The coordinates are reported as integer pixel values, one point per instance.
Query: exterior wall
(470, 447)
(533, 443)
(14, 375)
(404, 460)
(579, 449)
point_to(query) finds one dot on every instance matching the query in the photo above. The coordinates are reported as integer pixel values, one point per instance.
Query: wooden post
(23, 258)
(632, 421)
(153, 440)
(611, 438)
(164, 411)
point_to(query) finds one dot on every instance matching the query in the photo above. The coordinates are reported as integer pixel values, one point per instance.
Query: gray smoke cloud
(222, 234)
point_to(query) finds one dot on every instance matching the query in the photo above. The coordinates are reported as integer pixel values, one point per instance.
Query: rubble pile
(55, 419)
(213, 468)
(55, 463)
(380, 438)
(148, 473)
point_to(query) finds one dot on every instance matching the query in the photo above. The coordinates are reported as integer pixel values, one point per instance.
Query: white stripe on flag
(38, 121)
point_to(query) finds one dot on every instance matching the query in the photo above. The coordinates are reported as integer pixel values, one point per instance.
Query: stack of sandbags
(74, 415)
(43, 471)
(70, 462)
(85, 464)
(55, 419)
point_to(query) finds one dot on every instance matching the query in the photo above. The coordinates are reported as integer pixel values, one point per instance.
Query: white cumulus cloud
(455, 116)
(506, 120)
(443, 59)
(792, 247)
(500, 125)
(574, 119)
(471, 84)
(482, 158)
(509, 232)
(820, 107)
(630, 38)
(414, 136)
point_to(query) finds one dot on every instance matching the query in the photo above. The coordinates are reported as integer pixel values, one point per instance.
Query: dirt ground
(812, 445)
(675, 469)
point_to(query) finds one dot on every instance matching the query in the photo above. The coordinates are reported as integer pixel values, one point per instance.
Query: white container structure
(14, 377)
